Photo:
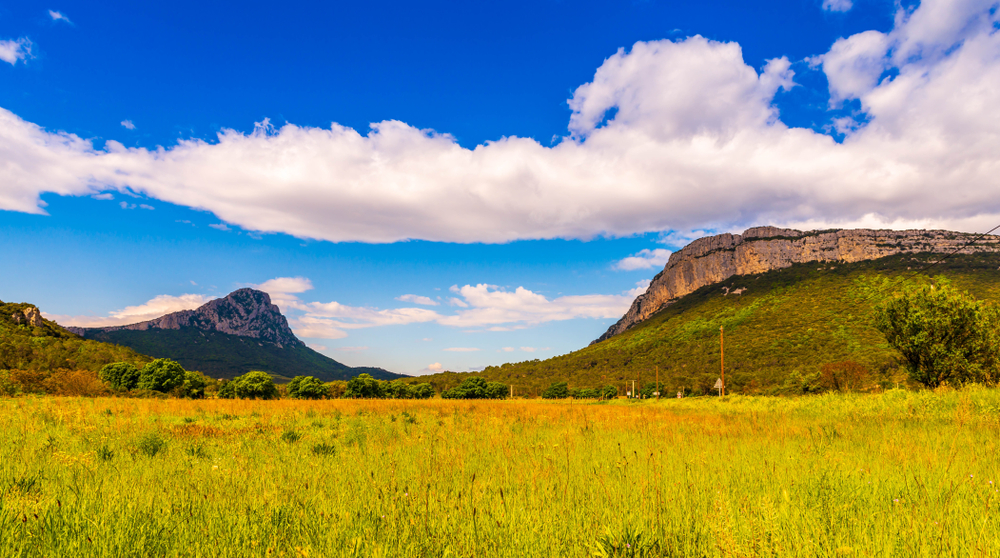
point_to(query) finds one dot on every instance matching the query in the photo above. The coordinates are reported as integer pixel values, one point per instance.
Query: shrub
(290, 436)
(844, 376)
(120, 375)
(307, 387)
(75, 383)
(423, 391)
(162, 375)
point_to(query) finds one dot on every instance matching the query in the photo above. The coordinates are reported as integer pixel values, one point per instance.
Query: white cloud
(146, 206)
(126, 205)
(351, 349)
(13, 50)
(220, 226)
(317, 347)
(507, 349)
(152, 309)
(59, 16)
(432, 368)
(415, 299)
(104, 196)
(854, 64)
(644, 259)
(838, 5)
(128, 124)
(667, 136)
(285, 285)
(640, 287)
(461, 349)
(492, 306)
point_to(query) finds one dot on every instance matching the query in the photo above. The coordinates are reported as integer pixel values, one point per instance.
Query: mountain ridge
(714, 259)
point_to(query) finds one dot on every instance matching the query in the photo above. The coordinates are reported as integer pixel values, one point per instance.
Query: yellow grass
(896, 474)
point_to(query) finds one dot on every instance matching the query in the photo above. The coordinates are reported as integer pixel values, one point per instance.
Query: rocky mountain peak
(244, 312)
(716, 258)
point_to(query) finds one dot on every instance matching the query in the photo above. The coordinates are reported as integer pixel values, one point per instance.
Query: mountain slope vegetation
(783, 331)
(30, 342)
(223, 355)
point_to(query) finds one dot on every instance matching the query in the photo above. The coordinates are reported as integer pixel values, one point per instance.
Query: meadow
(899, 473)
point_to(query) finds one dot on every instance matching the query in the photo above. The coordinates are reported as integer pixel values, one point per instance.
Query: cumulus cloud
(432, 368)
(104, 196)
(127, 124)
(668, 135)
(485, 306)
(461, 349)
(152, 309)
(644, 259)
(426, 301)
(12, 50)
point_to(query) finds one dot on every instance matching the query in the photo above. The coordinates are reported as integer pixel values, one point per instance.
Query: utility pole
(722, 359)
(633, 390)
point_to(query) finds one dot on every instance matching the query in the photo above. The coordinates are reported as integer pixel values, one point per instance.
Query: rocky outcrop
(29, 316)
(246, 313)
(716, 258)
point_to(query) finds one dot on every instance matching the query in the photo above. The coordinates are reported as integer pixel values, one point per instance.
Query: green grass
(779, 333)
(895, 474)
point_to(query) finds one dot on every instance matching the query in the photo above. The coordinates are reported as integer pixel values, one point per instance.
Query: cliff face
(716, 258)
(246, 313)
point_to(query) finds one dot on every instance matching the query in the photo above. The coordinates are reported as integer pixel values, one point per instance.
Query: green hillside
(48, 346)
(779, 334)
(221, 355)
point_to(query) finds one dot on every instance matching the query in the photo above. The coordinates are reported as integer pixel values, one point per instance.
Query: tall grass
(895, 474)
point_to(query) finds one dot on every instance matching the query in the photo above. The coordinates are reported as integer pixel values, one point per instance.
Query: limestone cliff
(716, 258)
(245, 312)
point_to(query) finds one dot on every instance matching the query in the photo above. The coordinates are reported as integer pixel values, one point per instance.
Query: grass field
(895, 474)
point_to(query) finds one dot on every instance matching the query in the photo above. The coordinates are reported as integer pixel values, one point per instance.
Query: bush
(307, 387)
(558, 390)
(162, 375)
(120, 375)
(844, 376)
(943, 334)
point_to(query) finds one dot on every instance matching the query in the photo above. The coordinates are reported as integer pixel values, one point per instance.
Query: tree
(307, 387)
(476, 388)
(161, 375)
(120, 375)
(364, 386)
(423, 391)
(558, 390)
(254, 385)
(194, 385)
(943, 334)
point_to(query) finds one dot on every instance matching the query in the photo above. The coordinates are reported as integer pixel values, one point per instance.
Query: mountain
(230, 336)
(760, 249)
(30, 342)
(785, 322)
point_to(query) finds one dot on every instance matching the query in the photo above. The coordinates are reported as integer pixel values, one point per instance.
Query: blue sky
(450, 185)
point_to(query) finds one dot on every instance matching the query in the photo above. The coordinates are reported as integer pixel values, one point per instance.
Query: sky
(449, 185)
